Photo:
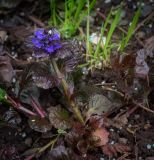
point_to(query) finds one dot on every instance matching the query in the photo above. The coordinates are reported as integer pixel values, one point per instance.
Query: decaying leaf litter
(58, 104)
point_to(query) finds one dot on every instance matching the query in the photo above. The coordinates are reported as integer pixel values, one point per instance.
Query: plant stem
(66, 91)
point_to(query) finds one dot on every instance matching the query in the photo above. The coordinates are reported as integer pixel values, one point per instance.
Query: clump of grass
(74, 13)
(99, 55)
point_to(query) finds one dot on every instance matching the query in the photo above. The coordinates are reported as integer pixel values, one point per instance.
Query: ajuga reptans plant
(46, 43)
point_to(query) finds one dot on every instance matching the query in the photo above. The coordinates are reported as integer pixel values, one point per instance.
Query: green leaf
(61, 131)
(2, 94)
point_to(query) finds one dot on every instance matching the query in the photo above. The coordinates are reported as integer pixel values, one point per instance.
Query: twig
(37, 21)
(122, 95)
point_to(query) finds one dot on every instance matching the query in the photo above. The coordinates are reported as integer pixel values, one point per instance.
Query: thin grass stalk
(87, 35)
(110, 33)
(130, 30)
(103, 28)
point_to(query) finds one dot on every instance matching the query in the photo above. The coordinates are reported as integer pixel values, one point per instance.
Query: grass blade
(130, 30)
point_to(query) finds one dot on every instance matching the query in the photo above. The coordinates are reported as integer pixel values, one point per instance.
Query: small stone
(112, 142)
(84, 70)
(22, 14)
(150, 25)
(149, 146)
(50, 32)
(142, 4)
(111, 129)
(134, 6)
(107, 1)
(23, 135)
(13, 80)
(1, 21)
(135, 88)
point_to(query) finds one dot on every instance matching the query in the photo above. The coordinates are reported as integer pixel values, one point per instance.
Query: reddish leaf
(101, 135)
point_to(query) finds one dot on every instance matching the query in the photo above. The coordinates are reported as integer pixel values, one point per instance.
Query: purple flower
(36, 43)
(46, 41)
(40, 34)
(54, 37)
(49, 49)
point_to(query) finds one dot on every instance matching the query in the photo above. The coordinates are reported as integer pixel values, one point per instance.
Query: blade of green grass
(80, 6)
(110, 33)
(88, 32)
(130, 30)
(103, 28)
(53, 12)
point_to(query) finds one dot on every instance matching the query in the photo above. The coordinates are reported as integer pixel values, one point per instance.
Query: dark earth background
(128, 122)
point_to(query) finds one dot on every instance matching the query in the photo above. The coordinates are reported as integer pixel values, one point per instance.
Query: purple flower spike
(46, 42)
(40, 34)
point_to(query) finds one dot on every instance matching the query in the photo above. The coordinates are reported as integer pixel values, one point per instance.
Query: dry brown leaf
(120, 121)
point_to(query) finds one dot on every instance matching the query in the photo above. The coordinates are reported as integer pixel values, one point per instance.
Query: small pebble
(98, 9)
(1, 21)
(22, 14)
(23, 135)
(112, 142)
(142, 4)
(134, 6)
(111, 129)
(135, 88)
(29, 58)
(84, 70)
(13, 90)
(129, 126)
(107, 1)
(150, 25)
(15, 56)
(13, 53)
(149, 146)
(13, 80)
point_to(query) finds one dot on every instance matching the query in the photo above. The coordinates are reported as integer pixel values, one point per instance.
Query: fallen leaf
(101, 136)
(6, 70)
